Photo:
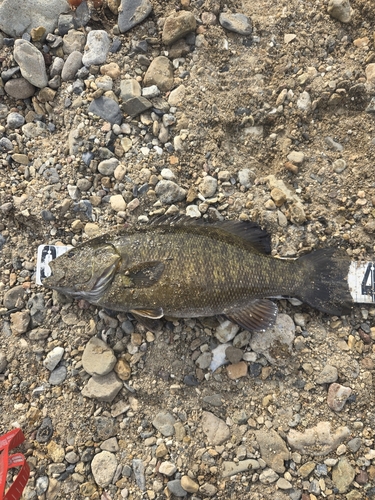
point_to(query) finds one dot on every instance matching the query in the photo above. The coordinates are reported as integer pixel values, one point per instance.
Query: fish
(182, 267)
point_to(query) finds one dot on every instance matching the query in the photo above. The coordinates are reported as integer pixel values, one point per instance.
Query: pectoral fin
(156, 313)
(257, 315)
(145, 274)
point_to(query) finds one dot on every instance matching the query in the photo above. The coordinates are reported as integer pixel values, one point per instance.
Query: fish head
(85, 271)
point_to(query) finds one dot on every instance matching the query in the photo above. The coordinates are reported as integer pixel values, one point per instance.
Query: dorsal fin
(247, 230)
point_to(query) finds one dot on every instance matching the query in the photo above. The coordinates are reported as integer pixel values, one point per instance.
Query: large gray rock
(18, 17)
(31, 63)
(132, 12)
(106, 108)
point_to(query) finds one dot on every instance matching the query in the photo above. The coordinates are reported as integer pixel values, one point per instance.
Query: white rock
(53, 358)
(118, 204)
(103, 468)
(226, 331)
(97, 47)
(167, 468)
(31, 63)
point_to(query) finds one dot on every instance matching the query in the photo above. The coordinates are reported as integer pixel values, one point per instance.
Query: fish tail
(325, 281)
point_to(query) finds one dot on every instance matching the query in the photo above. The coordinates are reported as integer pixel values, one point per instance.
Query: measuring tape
(7, 442)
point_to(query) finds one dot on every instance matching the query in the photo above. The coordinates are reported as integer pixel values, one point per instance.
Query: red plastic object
(9, 441)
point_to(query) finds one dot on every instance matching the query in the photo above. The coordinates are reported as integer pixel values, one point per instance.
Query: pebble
(53, 358)
(102, 388)
(117, 202)
(160, 73)
(239, 23)
(339, 165)
(31, 63)
(216, 430)
(139, 473)
(246, 177)
(226, 331)
(178, 25)
(19, 322)
(45, 431)
(283, 484)
(71, 66)
(97, 48)
(232, 468)
(318, 440)
(189, 484)
(327, 375)
(340, 10)
(15, 120)
(343, 475)
(275, 343)
(58, 375)
(370, 75)
(167, 468)
(237, 370)
(175, 488)
(208, 186)
(98, 358)
(16, 18)
(273, 449)
(132, 12)
(41, 485)
(233, 354)
(353, 445)
(19, 88)
(74, 40)
(219, 357)
(136, 106)
(106, 108)
(103, 468)
(332, 144)
(193, 211)
(337, 396)
(304, 101)
(177, 95)
(169, 192)
(296, 157)
(33, 130)
(268, 476)
(108, 167)
(164, 423)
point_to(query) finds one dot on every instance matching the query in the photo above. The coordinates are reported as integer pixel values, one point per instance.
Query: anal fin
(156, 313)
(257, 315)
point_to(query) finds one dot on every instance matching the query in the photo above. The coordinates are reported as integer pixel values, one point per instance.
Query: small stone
(19, 88)
(167, 468)
(306, 469)
(276, 342)
(204, 360)
(164, 422)
(169, 192)
(107, 167)
(353, 445)
(337, 396)
(268, 476)
(233, 354)
(343, 475)
(71, 66)
(289, 37)
(232, 468)
(239, 23)
(370, 73)
(103, 468)
(98, 358)
(340, 10)
(118, 204)
(237, 370)
(273, 449)
(19, 322)
(208, 489)
(189, 485)
(327, 375)
(106, 108)
(177, 25)
(55, 452)
(304, 101)
(335, 146)
(159, 73)
(208, 186)
(112, 69)
(296, 157)
(278, 197)
(41, 485)
(102, 388)
(131, 13)
(339, 165)
(97, 47)
(283, 484)
(246, 177)
(58, 375)
(216, 430)
(123, 369)
(136, 106)
(31, 63)
(177, 95)
(176, 489)
(53, 358)
(15, 120)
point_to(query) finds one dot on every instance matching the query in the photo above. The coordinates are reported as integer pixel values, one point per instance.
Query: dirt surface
(235, 115)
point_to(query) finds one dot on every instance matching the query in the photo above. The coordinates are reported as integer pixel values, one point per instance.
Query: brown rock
(19, 321)
(189, 485)
(159, 73)
(278, 196)
(237, 370)
(177, 25)
(123, 370)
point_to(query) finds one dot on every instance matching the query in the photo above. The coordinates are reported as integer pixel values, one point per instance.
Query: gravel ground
(186, 108)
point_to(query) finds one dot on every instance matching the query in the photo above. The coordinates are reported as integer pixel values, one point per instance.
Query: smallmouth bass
(183, 267)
